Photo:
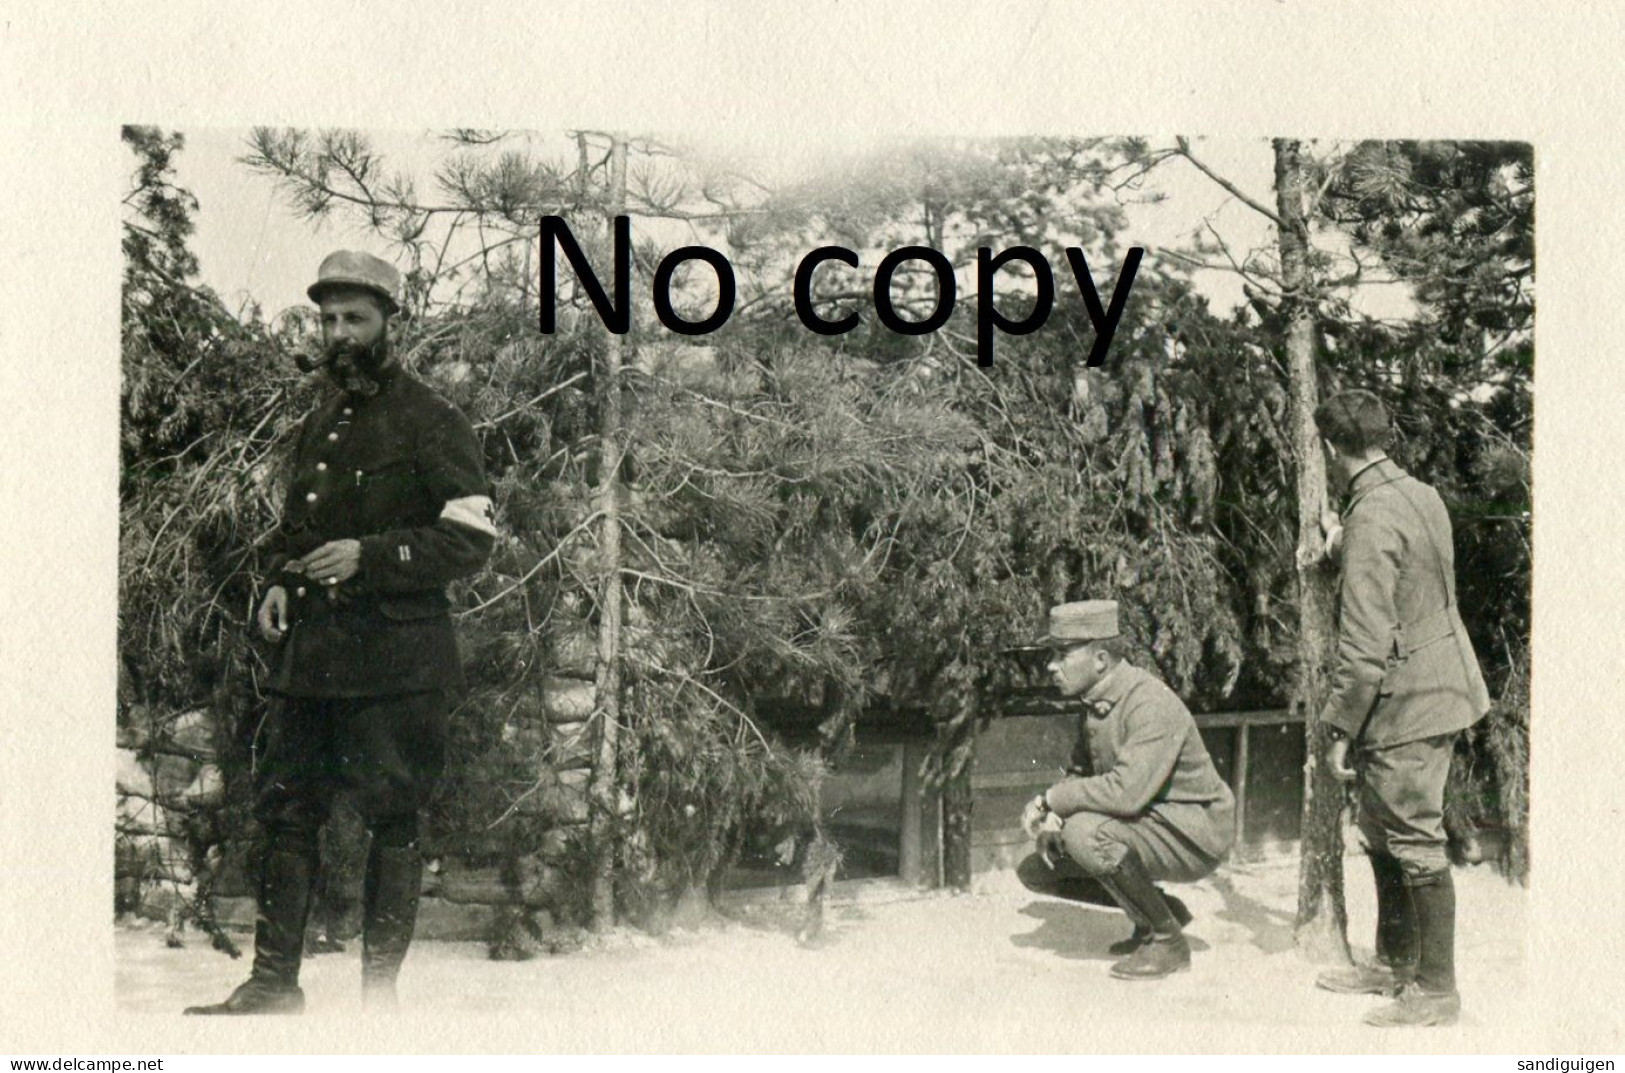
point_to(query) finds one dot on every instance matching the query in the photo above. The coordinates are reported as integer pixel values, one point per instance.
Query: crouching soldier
(1152, 808)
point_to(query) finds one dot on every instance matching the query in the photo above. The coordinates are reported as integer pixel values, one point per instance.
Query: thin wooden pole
(910, 852)
(604, 795)
(1239, 774)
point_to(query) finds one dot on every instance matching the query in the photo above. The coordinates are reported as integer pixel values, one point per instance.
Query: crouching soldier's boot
(1166, 952)
(1395, 963)
(1430, 999)
(390, 908)
(1142, 930)
(279, 936)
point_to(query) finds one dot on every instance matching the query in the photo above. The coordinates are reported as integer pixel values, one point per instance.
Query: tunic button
(300, 591)
(332, 437)
(321, 467)
(310, 497)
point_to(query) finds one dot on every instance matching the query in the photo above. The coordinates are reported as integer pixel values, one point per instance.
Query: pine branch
(1183, 148)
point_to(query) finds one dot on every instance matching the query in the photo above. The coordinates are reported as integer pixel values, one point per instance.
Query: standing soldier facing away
(1143, 803)
(1406, 682)
(388, 503)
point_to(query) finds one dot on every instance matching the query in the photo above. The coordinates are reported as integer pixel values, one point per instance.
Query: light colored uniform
(1153, 787)
(1406, 681)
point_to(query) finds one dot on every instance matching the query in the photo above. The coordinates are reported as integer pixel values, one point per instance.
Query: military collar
(1376, 474)
(1107, 693)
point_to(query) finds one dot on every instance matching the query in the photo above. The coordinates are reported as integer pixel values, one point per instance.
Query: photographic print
(913, 581)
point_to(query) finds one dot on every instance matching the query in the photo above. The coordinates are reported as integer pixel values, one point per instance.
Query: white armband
(475, 512)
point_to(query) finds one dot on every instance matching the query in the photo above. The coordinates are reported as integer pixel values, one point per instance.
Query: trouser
(387, 753)
(1096, 843)
(1062, 880)
(1401, 802)
(1095, 846)
(1112, 860)
(1401, 806)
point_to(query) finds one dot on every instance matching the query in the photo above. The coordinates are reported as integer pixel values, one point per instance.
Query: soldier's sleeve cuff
(1062, 798)
(378, 555)
(1333, 719)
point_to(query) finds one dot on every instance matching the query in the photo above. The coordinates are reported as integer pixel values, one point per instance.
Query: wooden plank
(1017, 780)
(998, 809)
(1265, 717)
(958, 814)
(1039, 745)
(1025, 705)
(1002, 836)
(910, 857)
(931, 828)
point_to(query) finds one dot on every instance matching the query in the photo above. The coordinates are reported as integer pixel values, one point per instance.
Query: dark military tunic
(362, 682)
(401, 472)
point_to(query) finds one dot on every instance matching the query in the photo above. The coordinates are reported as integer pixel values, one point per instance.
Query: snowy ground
(998, 969)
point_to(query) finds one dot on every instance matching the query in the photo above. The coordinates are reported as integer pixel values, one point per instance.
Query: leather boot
(1142, 930)
(1432, 998)
(1396, 949)
(279, 935)
(1167, 952)
(389, 913)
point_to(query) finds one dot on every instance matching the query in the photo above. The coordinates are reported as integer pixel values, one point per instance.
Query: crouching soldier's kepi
(387, 503)
(1142, 802)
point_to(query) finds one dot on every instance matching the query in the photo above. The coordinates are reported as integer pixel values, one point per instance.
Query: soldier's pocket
(387, 489)
(1422, 670)
(384, 475)
(1393, 667)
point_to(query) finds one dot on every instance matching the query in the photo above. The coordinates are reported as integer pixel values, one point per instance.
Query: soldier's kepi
(387, 504)
(1141, 802)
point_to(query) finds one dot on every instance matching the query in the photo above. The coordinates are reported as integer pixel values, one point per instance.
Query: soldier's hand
(1337, 760)
(333, 562)
(1307, 560)
(1033, 816)
(273, 613)
(1050, 848)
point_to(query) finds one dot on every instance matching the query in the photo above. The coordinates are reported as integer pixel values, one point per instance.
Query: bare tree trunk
(957, 801)
(604, 793)
(1321, 929)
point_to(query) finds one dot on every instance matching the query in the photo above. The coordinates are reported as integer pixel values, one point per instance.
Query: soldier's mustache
(355, 366)
(368, 358)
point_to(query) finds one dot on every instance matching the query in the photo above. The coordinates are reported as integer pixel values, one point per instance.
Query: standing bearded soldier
(1406, 683)
(388, 503)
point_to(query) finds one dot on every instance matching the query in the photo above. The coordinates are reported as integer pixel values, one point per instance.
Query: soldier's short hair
(1355, 422)
(1115, 647)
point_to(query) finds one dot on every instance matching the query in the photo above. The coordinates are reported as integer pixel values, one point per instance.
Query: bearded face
(355, 366)
(355, 340)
